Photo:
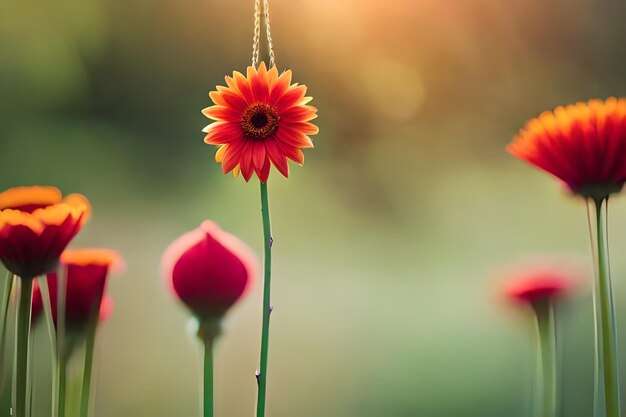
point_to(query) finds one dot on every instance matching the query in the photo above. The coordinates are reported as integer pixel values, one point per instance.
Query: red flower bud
(86, 272)
(209, 270)
(106, 306)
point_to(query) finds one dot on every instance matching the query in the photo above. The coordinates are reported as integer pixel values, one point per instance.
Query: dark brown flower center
(259, 121)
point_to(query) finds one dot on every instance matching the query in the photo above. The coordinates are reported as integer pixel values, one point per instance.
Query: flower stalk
(208, 331)
(606, 334)
(47, 306)
(62, 381)
(267, 308)
(85, 396)
(62, 350)
(4, 310)
(22, 346)
(208, 377)
(544, 311)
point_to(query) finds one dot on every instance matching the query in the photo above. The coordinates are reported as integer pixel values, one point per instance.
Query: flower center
(259, 121)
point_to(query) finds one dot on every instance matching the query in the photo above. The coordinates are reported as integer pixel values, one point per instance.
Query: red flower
(259, 119)
(209, 270)
(36, 224)
(584, 145)
(87, 271)
(106, 306)
(531, 286)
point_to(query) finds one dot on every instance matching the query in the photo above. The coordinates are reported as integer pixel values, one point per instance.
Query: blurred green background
(388, 241)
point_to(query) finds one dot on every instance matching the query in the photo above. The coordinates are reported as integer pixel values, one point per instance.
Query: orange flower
(584, 145)
(259, 119)
(36, 224)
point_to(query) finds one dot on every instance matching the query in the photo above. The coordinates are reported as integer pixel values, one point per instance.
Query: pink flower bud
(209, 270)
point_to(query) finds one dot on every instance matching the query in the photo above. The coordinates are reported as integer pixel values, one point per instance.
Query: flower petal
(302, 127)
(277, 157)
(232, 157)
(80, 205)
(272, 77)
(221, 113)
(280, 87)
(244, 87)
(291, 97)
(259, 84)
(264, 172)
(29, 198)
(259, 155)
(293, 138)
(220, 133)
(246, 164)
(219, 155)
(292, 153)
(299, 114)
(228, 98)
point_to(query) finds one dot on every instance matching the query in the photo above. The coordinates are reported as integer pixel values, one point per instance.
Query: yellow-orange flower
(260, 119)
(584, 145)
(36, 224)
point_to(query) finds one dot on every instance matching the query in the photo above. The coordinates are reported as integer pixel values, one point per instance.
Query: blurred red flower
(209, 270)
(106, 306)
(258, 119)
(87, 271)
(36, 224)
(584, 145)
(534, 285)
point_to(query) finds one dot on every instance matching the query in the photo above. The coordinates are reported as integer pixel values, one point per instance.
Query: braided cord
(268, 32)
(256, 40)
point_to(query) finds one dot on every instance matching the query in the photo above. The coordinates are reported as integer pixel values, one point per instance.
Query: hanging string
(256, 41)
(268, 32)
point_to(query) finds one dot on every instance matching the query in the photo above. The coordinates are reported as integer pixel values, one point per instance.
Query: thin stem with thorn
(267, 307)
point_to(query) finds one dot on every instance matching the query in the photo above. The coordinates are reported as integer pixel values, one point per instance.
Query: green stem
(547, 352)
(85, 396)
(31, 375)
(21, 347)
(267, 308)
(607, 336)
(208, 377)
(47, 308)
(4, 310)
(597, 374)
(62, 345)
(62, 381)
